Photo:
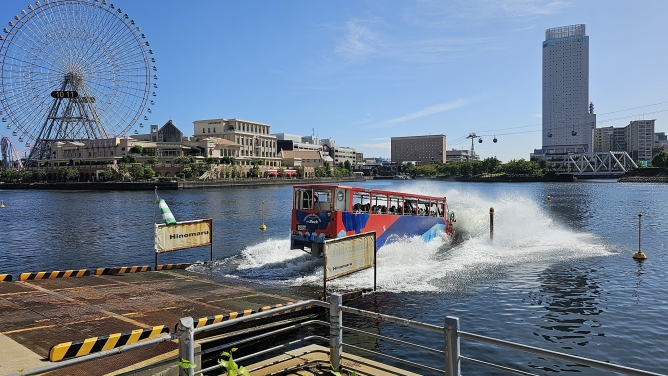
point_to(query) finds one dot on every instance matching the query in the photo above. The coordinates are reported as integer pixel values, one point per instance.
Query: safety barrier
(172, 266)
(209, 320)
(449, 354)
(96, 344)
(54, 274)
(287, 310)
(122, 270)
(86, 272)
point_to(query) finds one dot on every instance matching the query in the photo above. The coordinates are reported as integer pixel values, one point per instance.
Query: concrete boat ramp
(37, 314)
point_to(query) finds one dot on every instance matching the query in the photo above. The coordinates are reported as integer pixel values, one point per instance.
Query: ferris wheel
(74, 70)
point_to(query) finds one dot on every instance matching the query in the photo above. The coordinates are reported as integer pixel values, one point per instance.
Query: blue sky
(361, 72)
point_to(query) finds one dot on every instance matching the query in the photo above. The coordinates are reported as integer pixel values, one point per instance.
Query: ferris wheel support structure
(10, 157)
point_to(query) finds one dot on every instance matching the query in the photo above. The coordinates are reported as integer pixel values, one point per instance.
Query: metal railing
(450, 353)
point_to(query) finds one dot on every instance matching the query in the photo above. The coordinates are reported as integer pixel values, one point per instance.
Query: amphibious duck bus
(327, 211)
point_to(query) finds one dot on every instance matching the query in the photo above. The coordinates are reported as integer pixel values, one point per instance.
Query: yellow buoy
(549, 199)
(639, 255)
(262, 226)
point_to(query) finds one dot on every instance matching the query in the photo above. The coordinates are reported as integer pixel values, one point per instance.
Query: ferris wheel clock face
(74, 70)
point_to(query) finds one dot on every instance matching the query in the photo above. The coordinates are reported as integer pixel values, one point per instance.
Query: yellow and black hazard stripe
(218, 318)
(54, 274)
(296, 309)
(5, 277)
(172, 266)
(122, 270)
(96, 344)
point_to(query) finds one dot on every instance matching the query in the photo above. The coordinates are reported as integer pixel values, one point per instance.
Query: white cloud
(513, 8)
(364, 38)
(540, 116)
(428, 111)
(358, 41)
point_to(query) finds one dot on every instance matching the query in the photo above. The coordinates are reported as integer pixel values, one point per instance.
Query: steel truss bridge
(595, 164)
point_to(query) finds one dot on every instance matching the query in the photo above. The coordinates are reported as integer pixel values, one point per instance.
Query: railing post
(452, 346)
(186, 344)
(335, 331)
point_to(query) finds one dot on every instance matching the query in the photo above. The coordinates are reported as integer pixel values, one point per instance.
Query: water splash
(525, 236)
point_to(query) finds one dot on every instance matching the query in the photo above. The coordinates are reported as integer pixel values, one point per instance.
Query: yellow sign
(348, 254)
(183, 235)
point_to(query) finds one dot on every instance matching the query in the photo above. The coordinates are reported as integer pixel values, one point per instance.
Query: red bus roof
(367, 190)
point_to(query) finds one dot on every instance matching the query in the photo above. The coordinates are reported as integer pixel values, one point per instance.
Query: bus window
(303, 199)
(361, 202)
(396, 204)
(322, 199)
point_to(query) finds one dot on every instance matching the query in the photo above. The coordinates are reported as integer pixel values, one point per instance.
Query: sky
(361, 72)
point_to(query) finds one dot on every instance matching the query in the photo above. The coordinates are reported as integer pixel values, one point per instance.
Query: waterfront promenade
(173, 185)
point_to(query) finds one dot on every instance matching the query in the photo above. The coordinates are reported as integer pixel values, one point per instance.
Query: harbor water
(558, 275)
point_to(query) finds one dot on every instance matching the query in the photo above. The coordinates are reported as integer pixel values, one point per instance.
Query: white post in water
(187, 344)
(639, 255)
(335, 331)
(452, 363)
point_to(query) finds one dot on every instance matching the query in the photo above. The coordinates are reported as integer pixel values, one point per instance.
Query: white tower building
(568, 118)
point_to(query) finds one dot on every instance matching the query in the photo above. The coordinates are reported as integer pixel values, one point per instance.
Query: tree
(328, 168)
(543, 164)
(254, 171)
(149, 174)
(660, 159)
(491, 165)
(520, 167)
(11, 174)
(187, 173)
(39, 175)
(465, 169)
(476, 168)
(152, 160)
(137, 172)
(451, 168)
(109, 174)
(347, 165)
(341, 172)
(183, 159)
(137, 149)
(229, 160)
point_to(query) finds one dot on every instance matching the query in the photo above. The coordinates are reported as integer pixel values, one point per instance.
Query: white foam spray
(525, 236)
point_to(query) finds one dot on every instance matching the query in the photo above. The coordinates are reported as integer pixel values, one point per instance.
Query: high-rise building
(568, 116)
(425, 149)
(640, 139)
